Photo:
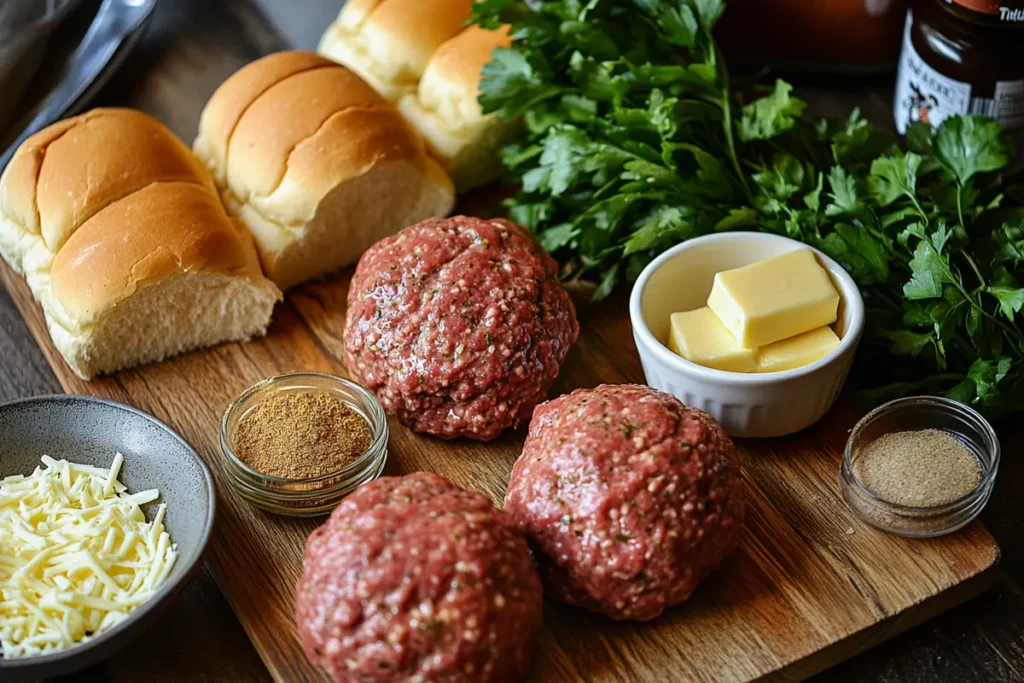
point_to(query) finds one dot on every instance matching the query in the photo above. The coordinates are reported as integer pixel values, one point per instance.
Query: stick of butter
(774, 299)
(699, 337)
(797, 351)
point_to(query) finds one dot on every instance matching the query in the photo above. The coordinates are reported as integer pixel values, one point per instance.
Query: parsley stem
(960, 214)
(1012, 335)
(974, 267)
(727, 124)
(1011, 332)
(920, 211)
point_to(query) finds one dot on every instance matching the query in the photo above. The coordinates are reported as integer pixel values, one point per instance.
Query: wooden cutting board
(809, 587)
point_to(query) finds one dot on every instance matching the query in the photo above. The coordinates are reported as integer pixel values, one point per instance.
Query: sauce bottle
(962, 57)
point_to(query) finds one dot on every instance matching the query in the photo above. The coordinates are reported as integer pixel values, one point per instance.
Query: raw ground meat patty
(415, 579)
(630, 497)
(459, 325)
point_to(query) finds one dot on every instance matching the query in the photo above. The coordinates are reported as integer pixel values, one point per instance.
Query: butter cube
(774, 299)
(699, 337)
(797, 351)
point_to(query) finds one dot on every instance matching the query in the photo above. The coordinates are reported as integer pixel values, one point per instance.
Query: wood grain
(809, 586)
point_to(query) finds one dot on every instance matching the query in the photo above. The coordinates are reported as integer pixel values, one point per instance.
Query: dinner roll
(390, 42)
(445, 110)
(424, 57)
(91, 160)
(316, 164)
(125, 244)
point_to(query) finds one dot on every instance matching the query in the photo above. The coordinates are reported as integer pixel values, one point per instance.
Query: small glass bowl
(313, 496)
(916, 413)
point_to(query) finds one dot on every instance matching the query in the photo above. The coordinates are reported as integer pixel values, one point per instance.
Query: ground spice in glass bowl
(296, 444)
(921, 466)
(301, 435)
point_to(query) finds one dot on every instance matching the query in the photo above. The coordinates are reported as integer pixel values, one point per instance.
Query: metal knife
(113, 32)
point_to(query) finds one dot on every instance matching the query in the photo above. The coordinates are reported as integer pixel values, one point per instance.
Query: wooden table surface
(190, 47)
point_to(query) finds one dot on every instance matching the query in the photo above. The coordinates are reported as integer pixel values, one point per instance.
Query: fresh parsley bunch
(634, 140)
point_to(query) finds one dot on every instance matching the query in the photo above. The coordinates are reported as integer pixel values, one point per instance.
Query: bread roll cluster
(315, 163)
(125, 244)
(138, 249)
(423, 56)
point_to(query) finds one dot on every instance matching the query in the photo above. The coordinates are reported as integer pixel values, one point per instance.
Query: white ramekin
(769, 404)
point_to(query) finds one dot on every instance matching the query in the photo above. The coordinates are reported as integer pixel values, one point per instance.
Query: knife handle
(115, 21)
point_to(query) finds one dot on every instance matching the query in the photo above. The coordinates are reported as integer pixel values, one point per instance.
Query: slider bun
(221, 114)
(162, 231)
(317, 164)
(390, 42)
(445, 110)
(64, 174)
(161, 272)
(424, 57)
(125, 244)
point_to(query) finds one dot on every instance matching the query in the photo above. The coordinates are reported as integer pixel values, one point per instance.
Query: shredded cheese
(76, 555)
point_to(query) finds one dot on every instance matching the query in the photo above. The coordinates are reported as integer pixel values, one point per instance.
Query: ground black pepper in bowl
(919, 468)
(301, 435)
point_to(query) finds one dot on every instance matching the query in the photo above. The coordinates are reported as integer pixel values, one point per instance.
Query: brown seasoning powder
(301, 434)
(918, 468)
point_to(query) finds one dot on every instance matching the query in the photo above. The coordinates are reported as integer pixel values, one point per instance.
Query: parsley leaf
(919, 137)
(863, 255)
(929, 266)
(844, 192)
(558, 236)
(967, 145)
(768, 116)
(894, 177)
(511, 83)
(666, 224)
(677, 20)
(1011, 299)
(709, 11)
(608, 282)
(908, 342)
(986, 376)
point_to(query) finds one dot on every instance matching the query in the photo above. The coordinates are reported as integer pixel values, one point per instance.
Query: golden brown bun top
(456, 65)
(162, 230)
(347, 146)
(390, 42)
(300, 133)
(286, 114)
(234, 96)
(66, 173)
(18, 184)
(414, 27)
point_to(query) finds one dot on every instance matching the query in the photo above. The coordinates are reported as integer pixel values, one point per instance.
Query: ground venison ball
(630, 498)
(415, 579)
(459, 325)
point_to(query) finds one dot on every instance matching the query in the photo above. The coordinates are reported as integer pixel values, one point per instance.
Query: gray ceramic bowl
(90, 431)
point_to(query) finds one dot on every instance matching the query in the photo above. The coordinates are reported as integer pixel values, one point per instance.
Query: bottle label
(923, 94)
(1009, 11)
(1009, 104)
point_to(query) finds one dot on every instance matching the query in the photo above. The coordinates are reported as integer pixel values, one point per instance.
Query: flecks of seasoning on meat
(630, 497)
(415, 579)
(459, 325)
